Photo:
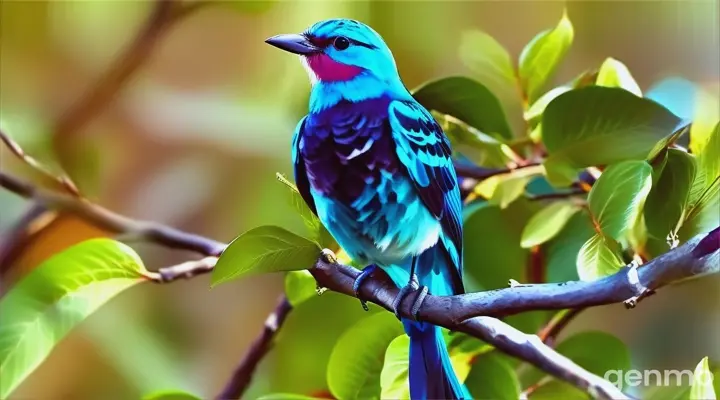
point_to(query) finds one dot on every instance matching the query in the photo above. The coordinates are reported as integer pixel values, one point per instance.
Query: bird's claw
(367, 271)
(329, 256)
(412, 286)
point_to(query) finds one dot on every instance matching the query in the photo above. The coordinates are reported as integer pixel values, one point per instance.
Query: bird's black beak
(294, 43)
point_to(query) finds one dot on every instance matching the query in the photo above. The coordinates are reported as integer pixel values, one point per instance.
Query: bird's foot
(329, 256)
(412, 286)
(367, 271)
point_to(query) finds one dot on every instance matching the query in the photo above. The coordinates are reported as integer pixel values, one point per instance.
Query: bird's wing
(301, 180)
(424, 150)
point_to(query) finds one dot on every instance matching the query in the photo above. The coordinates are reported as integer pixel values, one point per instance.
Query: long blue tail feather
(431, 373)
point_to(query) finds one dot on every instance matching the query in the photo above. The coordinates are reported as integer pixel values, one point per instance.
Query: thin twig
(558, 195)
(550, 332)
(63, 180)
(113, 222)
(186, 270)
(17, 237)
(242, 376)
(480, 173)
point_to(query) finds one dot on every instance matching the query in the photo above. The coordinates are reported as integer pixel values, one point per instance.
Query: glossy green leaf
(709, 157)
(492, 377)
(702, 385)
(298, 362)
(315, 228)
(51, 300)
(613, 73)
(668, 197)
(541, 57)
(170, 395)
(705, 119)
(481, 149)
(547, 223)
(600, 126)
(561, 253)
(357, 358)
(540, 104)
(618, 196)
(394, 376)
(299, 286)
(262, 250)
(598, 258)
(702, 215)
(501, 190)
(488, 60)
(467, 100)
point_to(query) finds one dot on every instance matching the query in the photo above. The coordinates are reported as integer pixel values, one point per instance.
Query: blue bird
(375, 167)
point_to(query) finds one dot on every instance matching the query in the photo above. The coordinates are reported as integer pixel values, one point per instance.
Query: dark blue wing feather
(424, 150)
(301, 179)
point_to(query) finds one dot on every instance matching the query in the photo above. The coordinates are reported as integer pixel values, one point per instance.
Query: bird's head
(339, 50)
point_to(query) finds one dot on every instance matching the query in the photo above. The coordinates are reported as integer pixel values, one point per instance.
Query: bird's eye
(341, 43)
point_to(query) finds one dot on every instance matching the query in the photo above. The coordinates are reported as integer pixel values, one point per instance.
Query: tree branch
(243, 374)
(113, 222)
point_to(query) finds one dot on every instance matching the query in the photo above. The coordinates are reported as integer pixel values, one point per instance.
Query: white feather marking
(365, 148)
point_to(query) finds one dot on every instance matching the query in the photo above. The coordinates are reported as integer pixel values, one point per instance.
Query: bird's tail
(431, 374)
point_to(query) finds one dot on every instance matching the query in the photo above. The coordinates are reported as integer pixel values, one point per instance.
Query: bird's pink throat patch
(328, 70)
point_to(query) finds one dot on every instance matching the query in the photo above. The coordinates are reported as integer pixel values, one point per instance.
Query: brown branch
(243, 374)
(113, 222)
(481, 173)
(20, 235)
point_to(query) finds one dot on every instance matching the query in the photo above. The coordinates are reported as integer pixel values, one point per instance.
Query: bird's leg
(412, 286)
(367, 271)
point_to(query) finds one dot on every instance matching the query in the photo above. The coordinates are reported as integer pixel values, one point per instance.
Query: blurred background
(197, 129)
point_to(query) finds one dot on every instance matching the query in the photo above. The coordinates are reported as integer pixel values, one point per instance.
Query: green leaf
(613, 73)
(702, 215)
(618, 196)
(709, 157)
(668, 197)
(299, 286)
(583, 349)
(264, 249)
(541, 57)
(170, 395)
(480, 148)
(561, 253)
(467, 100)
(503, 189)
(540, 104)
(704, 120)
(357, 358)
(315, 228)
(51, 300)
(547, 223)
(492, 377)
(394, 375)
(488, 60)
(702, 385)
(598, 258)
(600, 126)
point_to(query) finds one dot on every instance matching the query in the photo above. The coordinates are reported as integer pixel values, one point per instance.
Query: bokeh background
(194, 137)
